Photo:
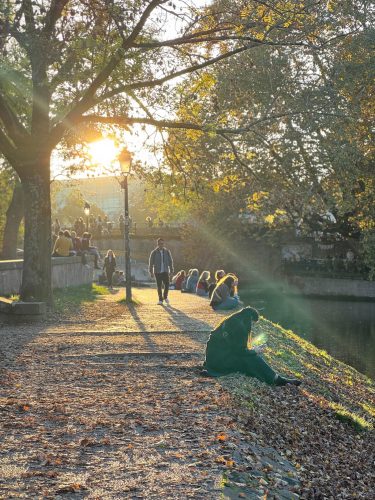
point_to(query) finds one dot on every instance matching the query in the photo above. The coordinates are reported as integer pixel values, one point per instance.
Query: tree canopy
(69, 65)
(308, 154)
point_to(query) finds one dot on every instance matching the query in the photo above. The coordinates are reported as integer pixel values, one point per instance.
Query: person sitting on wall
(81, 227)
(191, 282)
(202, 285)
(224, 296)
(63, 246)
(99, 227)
(218, 275)
(86, 247)
(227, 350)
(77, 244)
(119, 278)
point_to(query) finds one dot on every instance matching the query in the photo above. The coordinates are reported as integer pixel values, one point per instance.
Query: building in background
(106, 194)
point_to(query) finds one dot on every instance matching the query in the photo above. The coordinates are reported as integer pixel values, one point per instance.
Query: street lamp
(125, 160)
(86, 210)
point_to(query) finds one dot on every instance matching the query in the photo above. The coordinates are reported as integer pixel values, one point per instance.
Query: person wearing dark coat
(161, 266)
(227, 350)
(86, 247)
(109, 267)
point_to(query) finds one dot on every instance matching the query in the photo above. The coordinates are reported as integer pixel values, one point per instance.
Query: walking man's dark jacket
(155, 261)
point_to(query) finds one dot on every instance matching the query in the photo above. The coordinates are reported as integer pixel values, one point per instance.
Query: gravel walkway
(110, 403)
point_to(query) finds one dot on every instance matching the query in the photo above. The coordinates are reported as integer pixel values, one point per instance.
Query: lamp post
(125, 160)
(86, 210)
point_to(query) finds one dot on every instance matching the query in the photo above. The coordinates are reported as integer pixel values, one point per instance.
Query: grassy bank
(332, 383)
(325, 428)
(69, 299)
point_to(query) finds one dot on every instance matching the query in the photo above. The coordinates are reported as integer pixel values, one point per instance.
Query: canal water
(345, 329)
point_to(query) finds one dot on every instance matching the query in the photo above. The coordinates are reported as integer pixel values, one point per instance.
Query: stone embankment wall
(66, 271)
(332, 287)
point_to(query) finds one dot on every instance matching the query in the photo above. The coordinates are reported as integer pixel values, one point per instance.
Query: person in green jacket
(227, 350)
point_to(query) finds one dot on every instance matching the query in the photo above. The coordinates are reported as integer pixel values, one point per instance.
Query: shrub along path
(107, 401)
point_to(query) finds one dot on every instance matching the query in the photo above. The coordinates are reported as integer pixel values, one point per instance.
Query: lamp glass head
(86, 209)
(125, 160)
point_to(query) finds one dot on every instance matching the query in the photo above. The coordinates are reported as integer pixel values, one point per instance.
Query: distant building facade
(106, 193)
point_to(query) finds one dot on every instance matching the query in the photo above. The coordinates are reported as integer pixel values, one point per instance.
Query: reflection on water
(344, 329)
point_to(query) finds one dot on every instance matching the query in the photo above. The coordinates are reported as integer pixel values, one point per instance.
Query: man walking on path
(160, 265)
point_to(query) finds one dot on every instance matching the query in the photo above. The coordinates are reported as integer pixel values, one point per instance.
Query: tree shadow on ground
(146, 335)
(192, 326)
(14, 339)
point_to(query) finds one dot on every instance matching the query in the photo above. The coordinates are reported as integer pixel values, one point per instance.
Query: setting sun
(103, 152)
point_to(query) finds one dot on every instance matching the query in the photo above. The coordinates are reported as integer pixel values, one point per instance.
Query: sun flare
(103, 152)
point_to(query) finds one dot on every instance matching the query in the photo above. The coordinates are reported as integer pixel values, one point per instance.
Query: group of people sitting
(68, 244)
(222, 292)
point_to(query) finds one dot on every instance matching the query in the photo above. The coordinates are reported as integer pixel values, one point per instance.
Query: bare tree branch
(54, 13)
(123, 121)
(7, 148)
(238, 158)
(15, 130)
(192, 40)
(29, 15)
(171, 76)
(88, 98)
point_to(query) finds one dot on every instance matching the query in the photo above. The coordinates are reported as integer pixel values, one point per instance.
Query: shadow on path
(110, 358)
(14, 339)
(190, 326)
(143, 328)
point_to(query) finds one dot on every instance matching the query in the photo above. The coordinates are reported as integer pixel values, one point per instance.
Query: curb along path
(116, 408)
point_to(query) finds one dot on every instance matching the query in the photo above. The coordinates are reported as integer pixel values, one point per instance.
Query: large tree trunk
(13, 220)
(36, 277)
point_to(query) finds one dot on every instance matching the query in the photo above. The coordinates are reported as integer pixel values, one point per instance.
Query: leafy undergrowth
(325, 427)
(66, 299)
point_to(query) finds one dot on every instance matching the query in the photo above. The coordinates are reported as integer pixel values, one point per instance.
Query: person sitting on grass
(202, 285)
(218, 275)
(229, 350)
(178, 279)
(191, 282)
(224, 297)
(184, 281)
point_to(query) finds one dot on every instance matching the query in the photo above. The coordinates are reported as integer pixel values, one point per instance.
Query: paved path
(114, 408)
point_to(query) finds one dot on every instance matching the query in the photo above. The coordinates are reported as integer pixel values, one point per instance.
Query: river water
(344, 329)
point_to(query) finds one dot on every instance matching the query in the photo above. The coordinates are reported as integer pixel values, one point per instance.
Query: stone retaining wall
(332, 287)
(66, 271)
